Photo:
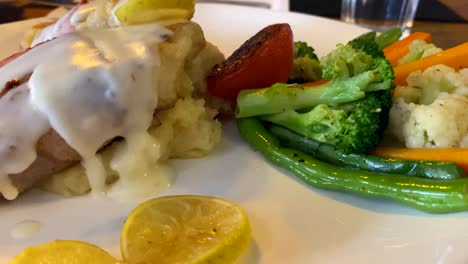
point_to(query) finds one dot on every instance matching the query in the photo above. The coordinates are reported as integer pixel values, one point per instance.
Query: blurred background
(432, 10)
(446, 20)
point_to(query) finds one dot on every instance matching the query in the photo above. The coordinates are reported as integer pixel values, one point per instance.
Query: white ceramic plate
(292, 222)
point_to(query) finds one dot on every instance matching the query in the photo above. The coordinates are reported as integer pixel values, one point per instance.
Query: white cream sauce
(149, 176)
(95, 14)
(91, 87)
(85, 10)
(25, 229)
(17, 141)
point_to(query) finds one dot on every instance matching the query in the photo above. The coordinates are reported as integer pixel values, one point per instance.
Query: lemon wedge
(150, 11)
(185, 229)
(64, 252)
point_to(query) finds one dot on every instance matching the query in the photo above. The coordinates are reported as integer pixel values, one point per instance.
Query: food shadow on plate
(31, 197)
(105, 234)
(103, 229)
(251, 256)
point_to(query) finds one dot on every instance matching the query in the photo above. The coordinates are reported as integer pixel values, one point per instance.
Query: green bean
(383, 40)
(327, 153)
(388, 37)
(429, 195)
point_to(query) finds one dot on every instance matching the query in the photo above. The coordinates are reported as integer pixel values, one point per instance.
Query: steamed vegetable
(433, 81)
(399, 49)
(302, 49)
(431, 111)
(442, 124)
(350, 111)
(315, 83)
(456, 58)
(327, 153)
(419, 49)
(340, 117)
(456, 155)
(263, 60)
(367, 43)
(354, 127)
(353, 73)
(306, 67)
(373, 44)
(429, 195)
(388, 37)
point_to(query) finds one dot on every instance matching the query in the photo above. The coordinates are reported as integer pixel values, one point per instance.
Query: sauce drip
(17, 142)
(145, 175)
(25, 229)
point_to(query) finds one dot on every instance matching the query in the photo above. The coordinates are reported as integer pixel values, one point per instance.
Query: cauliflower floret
(441, 124)
(419, 49)
(407, 93)
(430, 111)
(464, 72)
(435, 80)
(399, 116)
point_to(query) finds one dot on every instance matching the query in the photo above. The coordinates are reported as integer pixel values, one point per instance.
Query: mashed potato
(184, 123)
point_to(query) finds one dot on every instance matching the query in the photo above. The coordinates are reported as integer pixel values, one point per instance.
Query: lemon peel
(173, 229)
(151, 11)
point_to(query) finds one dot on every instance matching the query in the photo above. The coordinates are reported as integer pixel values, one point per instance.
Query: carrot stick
(399, 49)
(315, 83)
(457, 155)
(456, 57)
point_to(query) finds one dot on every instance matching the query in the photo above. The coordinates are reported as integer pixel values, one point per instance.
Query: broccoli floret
(365, 124)
(305, 70)
(350, 111)
(373, 44)
(306, 66)
(301, 49)
(346, 61)
(354, 127)
(367, 44)
(353, 73)
(320, 123)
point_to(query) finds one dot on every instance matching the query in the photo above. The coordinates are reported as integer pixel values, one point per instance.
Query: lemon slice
(64, 252)
(147, 11)
(185, 230)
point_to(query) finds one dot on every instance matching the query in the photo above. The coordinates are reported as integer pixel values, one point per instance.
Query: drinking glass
(380, 15)
(277, 5)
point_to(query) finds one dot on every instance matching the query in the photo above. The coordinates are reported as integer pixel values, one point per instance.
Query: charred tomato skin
(263, 60)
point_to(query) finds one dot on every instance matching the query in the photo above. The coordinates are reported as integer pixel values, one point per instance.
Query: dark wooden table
(445, 35)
